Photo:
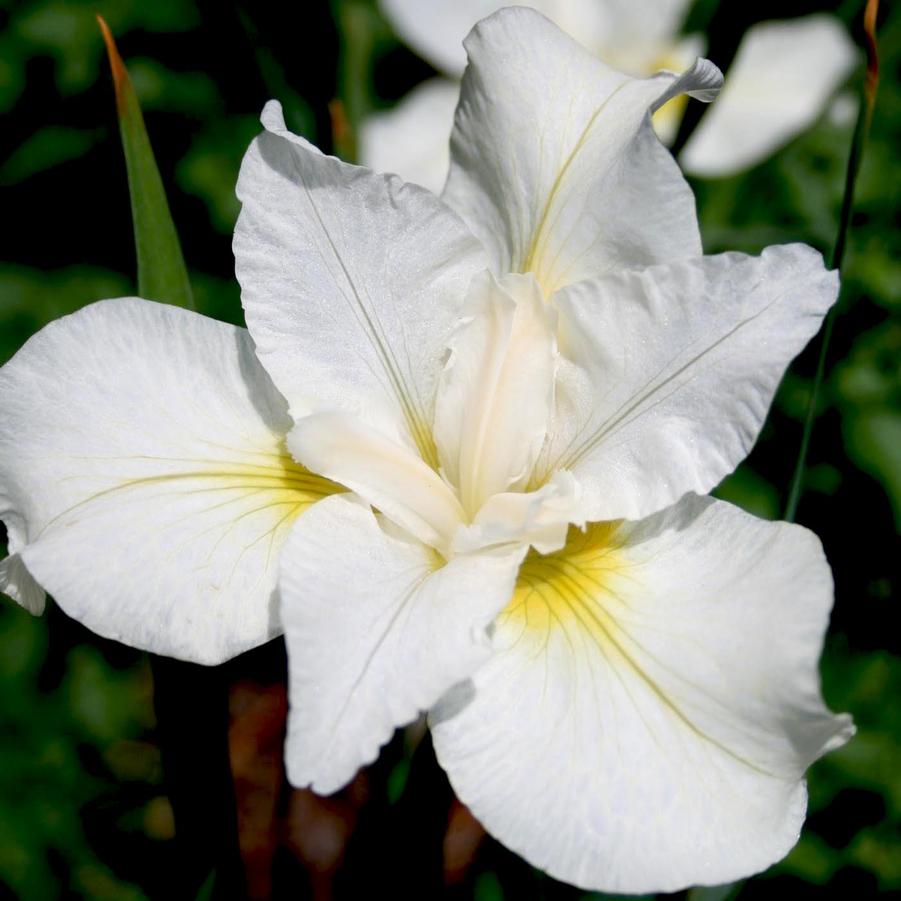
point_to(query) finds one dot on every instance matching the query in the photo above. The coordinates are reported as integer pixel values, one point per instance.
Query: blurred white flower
(779, 83)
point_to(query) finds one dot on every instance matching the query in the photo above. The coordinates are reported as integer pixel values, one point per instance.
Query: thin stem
(354, 76)
(858, 143)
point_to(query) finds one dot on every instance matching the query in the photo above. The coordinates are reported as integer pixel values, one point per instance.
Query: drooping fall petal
(378, 628)
(145, 479)
(654, 701)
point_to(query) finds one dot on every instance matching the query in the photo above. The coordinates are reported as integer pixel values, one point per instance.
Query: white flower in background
(783, 76)
(521, 390)
(780, 81)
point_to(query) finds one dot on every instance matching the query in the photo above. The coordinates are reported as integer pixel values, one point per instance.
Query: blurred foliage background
(84, 810)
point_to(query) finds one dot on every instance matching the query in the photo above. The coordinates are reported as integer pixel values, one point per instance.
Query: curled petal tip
(702, 81)
(272, 118)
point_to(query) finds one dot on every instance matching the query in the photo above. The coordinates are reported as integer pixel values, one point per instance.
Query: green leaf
(162, 274)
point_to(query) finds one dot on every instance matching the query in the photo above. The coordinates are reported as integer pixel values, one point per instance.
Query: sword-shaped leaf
(162, 274)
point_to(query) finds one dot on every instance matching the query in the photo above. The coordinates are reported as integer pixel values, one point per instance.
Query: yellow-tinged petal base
(272, 484)
(571, 587)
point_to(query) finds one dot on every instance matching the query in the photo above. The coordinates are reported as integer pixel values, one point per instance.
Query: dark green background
(83, 809)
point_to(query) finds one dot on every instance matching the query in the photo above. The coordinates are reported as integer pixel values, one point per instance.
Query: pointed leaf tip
(869, 30)
(162, 274)
(117, 67)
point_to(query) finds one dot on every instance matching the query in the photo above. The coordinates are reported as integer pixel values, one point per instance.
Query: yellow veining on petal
(535, 255)
(266, 480)
(578, 590)
(563, 589)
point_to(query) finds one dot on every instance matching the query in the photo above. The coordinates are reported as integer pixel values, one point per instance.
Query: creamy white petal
(539, 519)
(496, 391)
(351, 282)
(554, 163)
(413, 139)
(142, 461)
(782, 77)
(378, 628)
(671, 371)
(386, 473)
(654, 701)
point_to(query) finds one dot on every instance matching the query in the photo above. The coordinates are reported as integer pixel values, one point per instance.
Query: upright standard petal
(144, 470)
(653, 702)
(351, 282)
(554, 163)
(378, 627)
(780, 81)
(670, 372)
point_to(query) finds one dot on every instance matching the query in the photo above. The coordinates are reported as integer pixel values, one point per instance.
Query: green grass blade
(162, 274)
(858, 144)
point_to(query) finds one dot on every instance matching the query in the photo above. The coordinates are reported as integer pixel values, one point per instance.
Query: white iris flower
(472, 484)
(779, 83)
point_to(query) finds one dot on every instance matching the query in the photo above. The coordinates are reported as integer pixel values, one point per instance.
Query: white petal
(378, 628)
(15, 580)
(18, 583)
(780, 81)
(413, 139)
(606, 26)
(554, 163)
(678, 56)
(537, 518)
(675, 369)
(386, 473)
(142, 458)
(496, 391)
(351, 282)
(435, 28)
(653, 704)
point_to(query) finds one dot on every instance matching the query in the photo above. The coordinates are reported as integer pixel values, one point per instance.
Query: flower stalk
(858, 146)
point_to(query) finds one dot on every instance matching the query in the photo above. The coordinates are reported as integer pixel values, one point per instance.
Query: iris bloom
(779, 83)
(474, 431)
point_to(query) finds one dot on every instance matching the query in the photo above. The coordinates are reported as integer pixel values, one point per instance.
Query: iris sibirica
(459, 457)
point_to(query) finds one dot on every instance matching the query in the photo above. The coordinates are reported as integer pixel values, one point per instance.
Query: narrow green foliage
(858, 144)
(162, 274)
(355, 21)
